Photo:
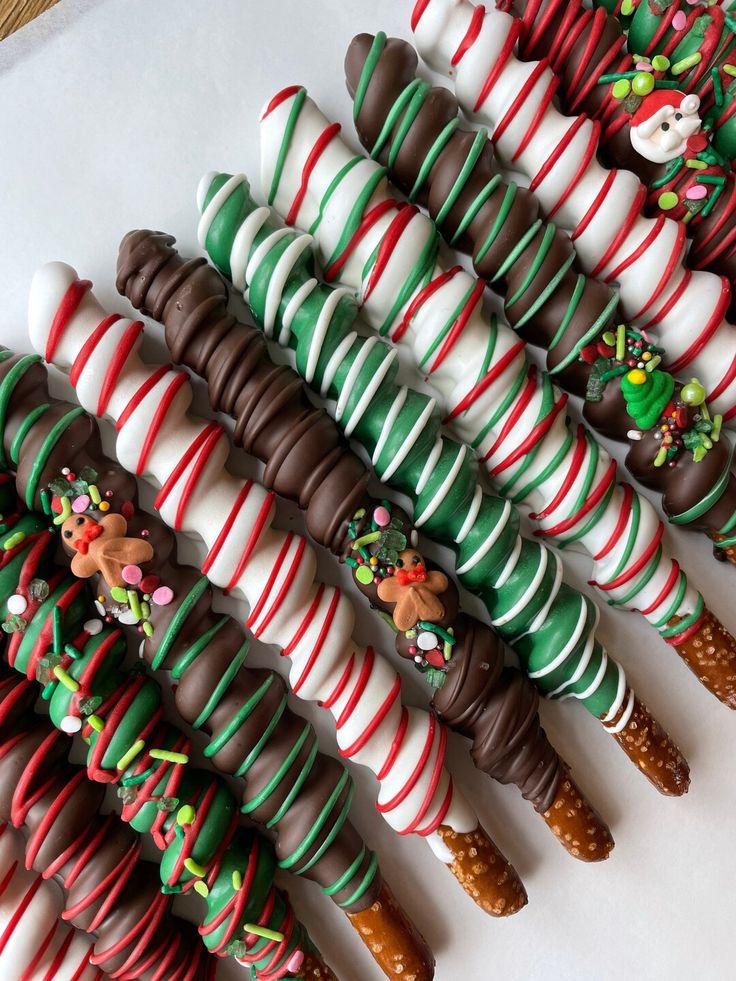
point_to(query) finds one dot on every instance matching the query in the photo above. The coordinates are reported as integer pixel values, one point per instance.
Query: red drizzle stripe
(669, 270)
(252, 541)
(664, 592)
(595, 205)
(273, 575)
(126, 861)
(416, 772)
(9, 875)
(433, 784)
(419, 7)
(367, 222)
(503, 57)
(539, 431)
(120, 356)
(671, 302)
(154, 914)
(66, 310)
(460, 324)
(477, 390)
(623, 231)
(637, 566)
(89, 850)
(707, 332)
(553, 158)
(388, 243)
(587, 156)
(441, 814)
(536, 121)
(723, 383)
(316, 650)
(141, 393)
(226, 528)
(536, 27)
(58, 960)
(290, 576)
(375, 722)
(356, 694)
(192, 832)
(240, 898)
(280, 97)
(213, 433)
(646, 243)
(524, 92)
(609, 477)
(574, 469)
(686, 634)
(724, 217)
(183, 463)
(19, 912)
(513, 417)
(29, 973)
(396, 744)
(340, 686)
(159, 415)
(422, 296)
(291, 646)
(89, 345)
(470, 35)
(623, 518)
(324, 139)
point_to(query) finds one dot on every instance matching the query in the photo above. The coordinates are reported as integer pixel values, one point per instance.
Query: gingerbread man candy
(101, 546)
(414, 590)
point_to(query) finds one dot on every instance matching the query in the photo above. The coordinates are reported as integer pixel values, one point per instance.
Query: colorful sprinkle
(668, 200)
(81, 503)
(381, 516)
(135, 750)
(643, 83)
(690, 62)
(237, 880)
(186, 815)
(119, 594)
(66, 679)
(261, 931)
(195, 868)
(697, 192)
(678, 21)
(168, 756)
(132, 574)
(295, 962)
(162, 596)
(660, 63)
(364, 575)
(202, 889)
(427, 641)
(96, 722)
(149, 583)
(14, 540)
(103, 506)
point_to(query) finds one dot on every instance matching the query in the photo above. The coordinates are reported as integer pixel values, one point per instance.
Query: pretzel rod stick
(271, 411)
(272, 570)
(308, 803)
(512, 417)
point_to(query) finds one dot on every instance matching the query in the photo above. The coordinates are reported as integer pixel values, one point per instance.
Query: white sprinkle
(427, 641)
(635, 434)
(71, 724)
(93, 627)
(127, 616)
(100, 608)
(17, 604)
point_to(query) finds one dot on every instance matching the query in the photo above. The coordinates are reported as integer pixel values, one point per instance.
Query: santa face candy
(273, 570)
(513, 420)
(300, 794)
(190, 814)
(518, 581)
(675, 442)
(494, 705)
(683, 310)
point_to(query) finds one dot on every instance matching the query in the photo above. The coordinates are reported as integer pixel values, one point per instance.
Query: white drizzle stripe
(530, 591)
(410, 440)
(472, 515)
(286, 262)
(242, 244)
(489, 542)
(388, 423)
(443, 489)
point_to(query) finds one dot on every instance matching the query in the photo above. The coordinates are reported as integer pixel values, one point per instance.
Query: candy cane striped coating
(511, 415)
(273, 570)
(601, 209)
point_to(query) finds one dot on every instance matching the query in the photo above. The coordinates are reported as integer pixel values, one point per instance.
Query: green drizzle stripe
(6, 390)
(316, 828)
(367, 879)
(30, 420)
(177, 621)
(707, 502)
(526, 239)
(192, 653)
(356, 214)
(588, 335)
(474, 153)
(46, 450)
(633, 532)
(276, 779)
(547, 292)
(423, 266)
(570, 313)
(334, 183)
(503, 213)
(546, 406)
(261, 744)
(686, 622)
(298, 784)
(237, 720)
(222, 686)
(503, 405)
(534, 266)
(594, 518)
(411, 100)
(379, 43)
(674, 606)
(447, 327)
(431, 156)
(347, 875)
(475, 205)
(334, 831)
(296, 108)
(641, 583)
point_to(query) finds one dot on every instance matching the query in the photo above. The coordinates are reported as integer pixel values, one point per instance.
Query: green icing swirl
(646, 403)
(401, 429)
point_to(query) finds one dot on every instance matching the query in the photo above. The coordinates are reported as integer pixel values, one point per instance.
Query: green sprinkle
(668, 200)
(609, 338)
(202, 889)
(620, 342)
(58, 646)
(661, 457)
(96, 722)
(627, 7)
(260, 931)
(696, 164)
(48, 691)
(119, 594)
(66, 510)
(72, 651)
(147, 629)
(168, 756)
(186, 815)
(690, 62)
(195, 868)
(45, 502)
(660, 63)
(237, 880)
(364, 575)
(651, 365)
(145, 610)
(66, 679)
(372, 536)
(730, 70)
(716, 431)
(621, 88)
(125, 761)
(14, 540)
(134, 603)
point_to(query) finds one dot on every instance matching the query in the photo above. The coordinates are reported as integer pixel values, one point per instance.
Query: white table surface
(109, 114)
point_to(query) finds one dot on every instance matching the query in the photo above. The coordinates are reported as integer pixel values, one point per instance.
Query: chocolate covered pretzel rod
(494, 705)
(684, 310)
(404, 122)
(190, 814)
(512, 417)
(108, 891)
(551, 626)
(35, 943)
(669, 120)
(291, 787)
(273, 570)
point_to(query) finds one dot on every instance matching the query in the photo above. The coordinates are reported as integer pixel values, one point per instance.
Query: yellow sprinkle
(201, 888)
(168, 756)
(134, 751)
(186, 815)
(66, 679)
(96, 722)
(194, 867)
(637, 377)
(237, 880)
(260, 931)
(104, 506)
